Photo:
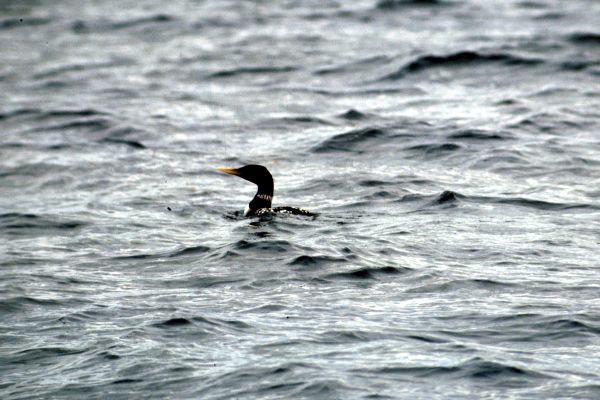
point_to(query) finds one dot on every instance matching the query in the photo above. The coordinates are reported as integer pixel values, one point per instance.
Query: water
(450, 148)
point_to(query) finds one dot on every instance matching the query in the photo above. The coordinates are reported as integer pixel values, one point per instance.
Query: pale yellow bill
(230, 171)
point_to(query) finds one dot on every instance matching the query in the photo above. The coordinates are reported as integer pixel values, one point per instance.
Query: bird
(260, 205)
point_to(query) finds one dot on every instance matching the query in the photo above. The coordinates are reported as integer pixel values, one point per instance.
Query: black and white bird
(261, 203)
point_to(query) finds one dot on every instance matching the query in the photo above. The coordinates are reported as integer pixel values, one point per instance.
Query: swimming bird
(261, 203)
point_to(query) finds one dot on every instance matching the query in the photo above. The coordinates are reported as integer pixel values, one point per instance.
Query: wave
(185, 251)
(448, 197)
(473, 135)
(352, 66)
(459, 59)
(20, 303)
(368, 273)
(18, 113)
(91, 125)
(213, 323)
(83, 27)
(476, 368)
(462, 284)
(27, 224)
(395, 4)
(227, 73)
(434, 149)
(541, 205)
(306, 260)
(584, 38)
(11, 23)
(348, 141)
(64, 69)
(130, 143)
(353, 115)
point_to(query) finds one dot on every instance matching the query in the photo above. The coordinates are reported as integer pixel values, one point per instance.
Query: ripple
(353, 115)
(446, 197)
(306, 260)
(462, 284)
(475, 368)
(227, 73)
(368, 273)
(399, 4)
(84, 27)
(585, 38)
(173, 322)
(54, 72)
(32, 224)
(434, 149)
(130, 143)
(349, 141)
(475, 135)
(91, 125)
(10, 23)
(459, 59)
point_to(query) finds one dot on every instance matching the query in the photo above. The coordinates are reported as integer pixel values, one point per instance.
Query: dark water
(451, 149)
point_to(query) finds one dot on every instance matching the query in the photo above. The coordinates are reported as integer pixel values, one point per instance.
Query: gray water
(450, 148)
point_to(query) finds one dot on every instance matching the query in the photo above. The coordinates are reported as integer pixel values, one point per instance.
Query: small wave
(159, 18)
(306, 260)
(32, 170)
(202, 281)
(64, 69)
(194, 250)
(564, 327)
(353, 115)
(85, 112)
(419, 371)
(395, 4)
(25, 223)
(83, 27)
(130, 143)
(348, 141)
(585, 38)
(477, 135)
(19, 303)
(11, 23)
(462, 284)
(460, 59)
(434, 149)
(368, 273)
(37, 354)
(446, 197)
(544, 205)
(475, 368)
(323, 389)
(352, 66)
(19, 112)
(173, 322)
(285, 122)
(478, 368)
(374, 183)
(126, 380)
(252, 71)
(91, 125)
(278, 246)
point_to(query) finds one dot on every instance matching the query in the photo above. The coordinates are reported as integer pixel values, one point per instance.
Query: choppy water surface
(451, 149)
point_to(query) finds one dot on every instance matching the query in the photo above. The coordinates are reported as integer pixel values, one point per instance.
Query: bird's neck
(262, 198)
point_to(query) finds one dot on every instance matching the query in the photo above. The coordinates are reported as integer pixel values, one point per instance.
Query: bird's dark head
(256, 174)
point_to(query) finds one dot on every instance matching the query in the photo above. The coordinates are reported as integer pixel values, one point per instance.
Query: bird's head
(256, 174)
